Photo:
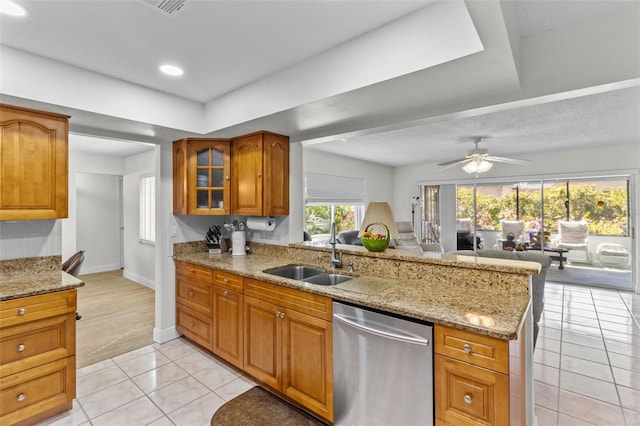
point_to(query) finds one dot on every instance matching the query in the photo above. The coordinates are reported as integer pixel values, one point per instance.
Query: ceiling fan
(478, 160)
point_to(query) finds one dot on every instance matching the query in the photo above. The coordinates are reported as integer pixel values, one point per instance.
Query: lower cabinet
(228, 325)
(479, 380)
(288, 344)
(37, 357)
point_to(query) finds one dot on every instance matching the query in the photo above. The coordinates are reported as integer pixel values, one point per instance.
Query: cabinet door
(196, 295)
(276, 175)
(180, 190)
(208, 177)
(469, 395)
(307, 362)
(247, 175)
(34, 394)
(262, 341)
(33, 164)
(228, 322)
(195, 326)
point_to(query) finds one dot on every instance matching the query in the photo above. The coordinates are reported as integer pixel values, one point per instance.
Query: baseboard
(163, 336)
(100, 268)
(139, 279)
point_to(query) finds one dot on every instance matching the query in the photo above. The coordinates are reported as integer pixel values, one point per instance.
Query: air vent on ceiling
(168, 7)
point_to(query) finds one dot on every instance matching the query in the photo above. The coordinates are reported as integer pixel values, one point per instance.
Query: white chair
(406, 236)
(464, 225)
(574, 235)
(515, 227)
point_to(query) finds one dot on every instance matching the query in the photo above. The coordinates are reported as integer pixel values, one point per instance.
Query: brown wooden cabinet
(201, 177)
(288, 343)
(260, 170)
(194, 303)
(37, 356)
(479, 380)
(228, 318)
(33, 164)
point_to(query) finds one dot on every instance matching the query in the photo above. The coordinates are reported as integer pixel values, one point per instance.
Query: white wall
(378, 179)
(139, 259)
(83, 163)
(98, 221)
(29, 238)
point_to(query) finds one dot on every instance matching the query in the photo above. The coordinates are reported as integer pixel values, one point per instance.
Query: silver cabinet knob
(226, 280)
(193, 324)
(21, 397)
(190, 294)
(226, 293)
(22, 311)
(466, 348)
(467, 398)
(20, 347)
(259, 174)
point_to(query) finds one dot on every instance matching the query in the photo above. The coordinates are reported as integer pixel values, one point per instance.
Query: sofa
(538, 281)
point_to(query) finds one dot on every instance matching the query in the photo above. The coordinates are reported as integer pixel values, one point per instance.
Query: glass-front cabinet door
(209, 174)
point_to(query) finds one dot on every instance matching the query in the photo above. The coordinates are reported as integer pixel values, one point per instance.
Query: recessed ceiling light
(171, 70)
(10, 8)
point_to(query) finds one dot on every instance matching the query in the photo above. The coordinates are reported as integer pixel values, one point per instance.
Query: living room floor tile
(589, 387)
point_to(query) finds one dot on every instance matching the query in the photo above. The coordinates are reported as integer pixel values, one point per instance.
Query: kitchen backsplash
(30, 238)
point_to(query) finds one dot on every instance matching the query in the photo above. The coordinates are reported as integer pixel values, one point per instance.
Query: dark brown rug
(258, 407)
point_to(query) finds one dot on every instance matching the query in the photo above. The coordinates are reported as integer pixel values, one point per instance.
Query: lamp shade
(379, 212)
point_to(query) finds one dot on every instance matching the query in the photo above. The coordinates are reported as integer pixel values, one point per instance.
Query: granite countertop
(479, 310)
(34, 276)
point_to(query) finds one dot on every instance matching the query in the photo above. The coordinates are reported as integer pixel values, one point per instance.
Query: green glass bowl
(375, 244)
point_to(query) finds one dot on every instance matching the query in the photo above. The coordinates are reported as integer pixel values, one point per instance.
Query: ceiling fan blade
(454, 162)
(507, 160)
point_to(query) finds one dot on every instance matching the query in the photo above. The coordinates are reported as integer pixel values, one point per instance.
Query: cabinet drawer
(189, 270)
(475, 349)
(194, 294)
(23, 395)
(469, 395)
(229, 281)
(195, 326)
(37, 342)
(312, 304)
(25, 309)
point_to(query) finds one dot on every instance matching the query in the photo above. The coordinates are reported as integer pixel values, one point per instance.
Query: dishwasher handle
(406, 339)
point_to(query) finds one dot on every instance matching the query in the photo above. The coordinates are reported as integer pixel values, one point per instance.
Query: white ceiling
(227, 45)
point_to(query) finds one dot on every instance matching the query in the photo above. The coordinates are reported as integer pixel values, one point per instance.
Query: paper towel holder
(261, 223)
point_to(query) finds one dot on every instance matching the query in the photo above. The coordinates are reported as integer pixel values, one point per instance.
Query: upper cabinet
(201, 177)
(247, 175)
(260, 170)
(33, 164)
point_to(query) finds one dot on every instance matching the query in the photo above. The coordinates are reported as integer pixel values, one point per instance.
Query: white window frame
(147, 197)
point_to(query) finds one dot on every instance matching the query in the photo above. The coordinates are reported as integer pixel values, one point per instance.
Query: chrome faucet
(336, 261)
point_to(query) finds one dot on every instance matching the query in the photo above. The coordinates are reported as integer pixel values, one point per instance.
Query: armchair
(515, 227)
(574, 235)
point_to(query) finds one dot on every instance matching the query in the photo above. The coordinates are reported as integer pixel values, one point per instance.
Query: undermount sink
(328, 279)
(307, 274)
(294, 272)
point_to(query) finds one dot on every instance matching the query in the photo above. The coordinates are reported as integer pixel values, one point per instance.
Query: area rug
(258, 407)
(593, 277)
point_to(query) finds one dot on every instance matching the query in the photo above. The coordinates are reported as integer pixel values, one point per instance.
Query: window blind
(330, 189)
(148, 209)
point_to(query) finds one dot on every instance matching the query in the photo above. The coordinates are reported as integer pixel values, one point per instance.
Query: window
(332, 199)
(148, 209)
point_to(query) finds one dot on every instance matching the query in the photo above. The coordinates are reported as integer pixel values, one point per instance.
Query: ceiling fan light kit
(478, 160)
(478, 165)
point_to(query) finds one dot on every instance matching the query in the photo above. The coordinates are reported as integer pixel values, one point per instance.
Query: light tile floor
(587, 358)
(586, 371)
(175, 383)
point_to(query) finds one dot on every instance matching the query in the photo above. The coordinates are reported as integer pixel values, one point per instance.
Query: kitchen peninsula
(479, 308)
(38, 305)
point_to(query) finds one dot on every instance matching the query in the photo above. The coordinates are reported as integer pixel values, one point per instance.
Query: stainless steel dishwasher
(382, 369)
